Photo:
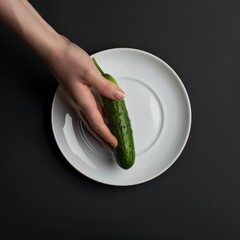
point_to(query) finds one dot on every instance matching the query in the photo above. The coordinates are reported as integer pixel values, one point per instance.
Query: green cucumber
(119, 124)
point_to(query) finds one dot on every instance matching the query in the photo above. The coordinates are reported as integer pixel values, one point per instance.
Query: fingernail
(114, 146)
(119, 95)
(114, 143)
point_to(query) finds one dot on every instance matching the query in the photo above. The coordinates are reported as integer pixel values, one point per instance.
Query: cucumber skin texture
(119, 124)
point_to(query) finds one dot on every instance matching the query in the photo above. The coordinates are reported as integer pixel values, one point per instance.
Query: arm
(22, 18)
(71, 65)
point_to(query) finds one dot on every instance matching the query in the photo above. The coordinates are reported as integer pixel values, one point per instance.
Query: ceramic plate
(159, 110)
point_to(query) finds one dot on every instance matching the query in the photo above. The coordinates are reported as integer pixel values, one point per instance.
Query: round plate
(160, 114)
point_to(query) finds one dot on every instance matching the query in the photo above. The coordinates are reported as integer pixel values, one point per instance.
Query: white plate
(159, 110)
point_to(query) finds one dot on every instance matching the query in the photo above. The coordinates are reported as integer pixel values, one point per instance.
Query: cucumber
(119, 124)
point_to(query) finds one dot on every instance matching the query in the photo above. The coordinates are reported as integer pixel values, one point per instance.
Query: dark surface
(43, 197)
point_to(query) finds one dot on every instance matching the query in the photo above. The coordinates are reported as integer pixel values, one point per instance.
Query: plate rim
(185, 139)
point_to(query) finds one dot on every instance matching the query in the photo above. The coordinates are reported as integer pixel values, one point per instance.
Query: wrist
(54, 49)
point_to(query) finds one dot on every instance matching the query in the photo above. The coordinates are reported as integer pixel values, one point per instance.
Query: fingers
(95, 119)
(88, 126)
(83, 100)
(105, 87)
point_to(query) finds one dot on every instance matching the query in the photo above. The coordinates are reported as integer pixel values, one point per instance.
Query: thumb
(107, 88)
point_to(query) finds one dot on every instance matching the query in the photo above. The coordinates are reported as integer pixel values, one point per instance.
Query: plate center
(145, 112)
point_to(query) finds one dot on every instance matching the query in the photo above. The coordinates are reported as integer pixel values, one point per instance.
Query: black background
(43, 197)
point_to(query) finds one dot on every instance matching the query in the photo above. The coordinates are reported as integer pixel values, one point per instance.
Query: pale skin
(71, 65)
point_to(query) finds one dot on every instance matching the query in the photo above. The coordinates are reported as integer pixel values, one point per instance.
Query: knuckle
(104, 87)
(89, 73)
(108, 88)
(97, 127)
(84, 106)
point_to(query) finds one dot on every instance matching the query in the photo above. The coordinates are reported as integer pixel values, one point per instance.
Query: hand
(71, 65)
(76, 74)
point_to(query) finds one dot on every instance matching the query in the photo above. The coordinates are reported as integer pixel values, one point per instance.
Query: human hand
(76, 74)
(71, 66)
